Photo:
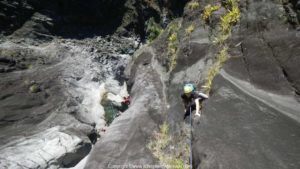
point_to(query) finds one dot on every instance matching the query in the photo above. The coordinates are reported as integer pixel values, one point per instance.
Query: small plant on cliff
(173, 37)
(208, 10)
(160, 141)
(34, 88)
(172, 50)
(215, 68)
(232, 17)
(153, 30)
(221, 38)
(153, 4)
(227, 21)
(190, 29)
(158, 147)
(172, 45)
(223, 55)
(230, 3)
(193, 5)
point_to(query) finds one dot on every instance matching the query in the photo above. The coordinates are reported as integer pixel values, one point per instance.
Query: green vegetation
(153, 4)
(161, 141)
(190, 29)
(230, 3)
(232, 17)
(223, 55)
(153, 30)
(193, 5)
(159, 147)
(215, 68)
(227, 21)
(221, 38)
(173, 45)
(34, 88)
(29, 66)
(208, 10)
(110, 111)
(173, 37)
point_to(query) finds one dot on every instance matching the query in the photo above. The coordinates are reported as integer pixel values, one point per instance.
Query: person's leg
(189, 110)
(187, 113)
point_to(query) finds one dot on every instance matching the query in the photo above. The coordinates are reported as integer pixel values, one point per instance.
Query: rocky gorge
(60, 61)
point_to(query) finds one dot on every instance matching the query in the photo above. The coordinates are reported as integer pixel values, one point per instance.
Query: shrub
(230, 3)
(221, 38)
(190, 29)
(173, 37)
(158, 146)
(172, 50)
(223, 55)
(153, 30)
(231, 17)
(153, 4)
(208, 10)
(193, 5)
(172, 44)
(214, 70)
(227, 21)
(34, 88)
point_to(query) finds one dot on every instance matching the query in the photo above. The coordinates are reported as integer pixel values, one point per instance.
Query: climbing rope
(191, 153)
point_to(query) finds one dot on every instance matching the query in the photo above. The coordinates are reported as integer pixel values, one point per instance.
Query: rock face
(251, 119)
(51, 93)
(49, 103)
(55, 68)
(57, 59)
(41, 20)
(135, 125)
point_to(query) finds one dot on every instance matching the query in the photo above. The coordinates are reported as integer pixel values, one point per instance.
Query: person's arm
(197, 106)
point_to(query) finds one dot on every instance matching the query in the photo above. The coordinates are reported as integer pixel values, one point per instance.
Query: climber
(124, 104)
(126, 100)
(192, 100)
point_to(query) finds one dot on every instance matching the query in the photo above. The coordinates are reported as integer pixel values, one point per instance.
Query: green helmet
(188, 88)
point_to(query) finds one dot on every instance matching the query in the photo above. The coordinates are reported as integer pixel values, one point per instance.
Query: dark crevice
(292, 10)
(245, 60)
(77, 19)
(71, 159)
(3, 97)
(289, 80)
(94, 134)
(21, 13)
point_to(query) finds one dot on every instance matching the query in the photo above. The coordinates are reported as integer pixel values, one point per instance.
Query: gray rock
(251, 119)
(46, 111)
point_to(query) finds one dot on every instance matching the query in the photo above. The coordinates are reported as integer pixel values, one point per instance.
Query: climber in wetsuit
(192, 100)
